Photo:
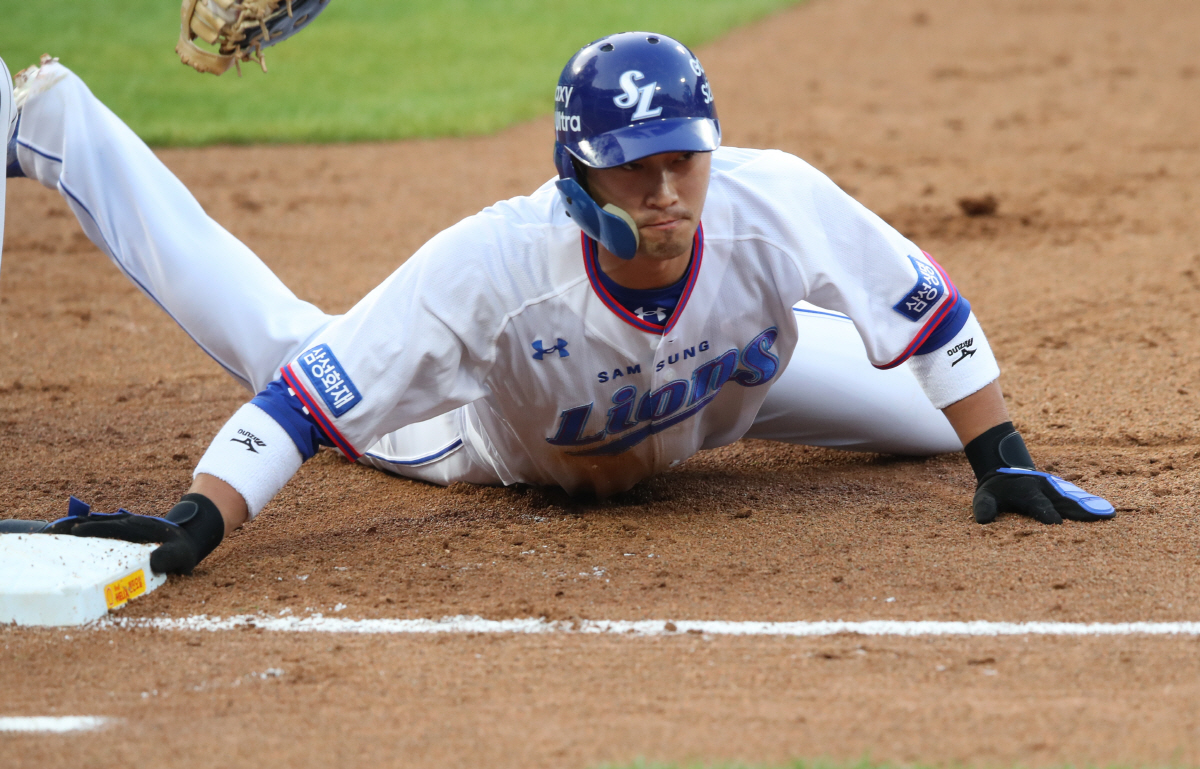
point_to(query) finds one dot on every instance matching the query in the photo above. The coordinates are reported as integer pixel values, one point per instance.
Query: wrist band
(254, 455)
(964, 365)
(1000, 446)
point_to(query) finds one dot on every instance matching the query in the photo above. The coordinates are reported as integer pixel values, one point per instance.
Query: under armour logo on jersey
(634, 95)
(658, 314)
(250, 440)
(542, 351)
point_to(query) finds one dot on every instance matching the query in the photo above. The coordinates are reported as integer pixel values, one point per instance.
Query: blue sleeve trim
(947, 329)
(289, 412)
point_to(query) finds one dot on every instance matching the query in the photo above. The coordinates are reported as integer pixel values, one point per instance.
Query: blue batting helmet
(619, 99)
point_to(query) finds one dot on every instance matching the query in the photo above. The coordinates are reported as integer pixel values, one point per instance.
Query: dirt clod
(982, 206)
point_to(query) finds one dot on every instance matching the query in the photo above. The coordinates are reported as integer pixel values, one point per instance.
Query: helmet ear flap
(613, 227)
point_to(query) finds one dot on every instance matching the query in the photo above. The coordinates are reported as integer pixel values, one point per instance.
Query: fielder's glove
(1009, 483)
(191, 531)
(240, 29)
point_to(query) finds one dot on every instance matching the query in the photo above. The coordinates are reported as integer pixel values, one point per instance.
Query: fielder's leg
(136, 211)
(8, 124)
(830, 395)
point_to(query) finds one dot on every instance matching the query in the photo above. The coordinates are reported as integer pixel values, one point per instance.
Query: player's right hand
(177, 555)
(1041, 496)
(189, 532)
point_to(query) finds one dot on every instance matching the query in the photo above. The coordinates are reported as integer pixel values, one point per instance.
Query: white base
(50, 579)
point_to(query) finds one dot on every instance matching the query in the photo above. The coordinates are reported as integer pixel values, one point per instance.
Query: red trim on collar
(591, 263)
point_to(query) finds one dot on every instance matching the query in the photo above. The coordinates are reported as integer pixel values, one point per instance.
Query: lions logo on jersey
(674, 402)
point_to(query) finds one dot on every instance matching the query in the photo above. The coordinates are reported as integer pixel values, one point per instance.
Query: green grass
(364, 70)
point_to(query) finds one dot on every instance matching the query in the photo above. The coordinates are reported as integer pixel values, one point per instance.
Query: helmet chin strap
(612, 226)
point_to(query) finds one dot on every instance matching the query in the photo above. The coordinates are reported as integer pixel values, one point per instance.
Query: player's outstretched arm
(1008, 480)
(189, 532)
(253, 455)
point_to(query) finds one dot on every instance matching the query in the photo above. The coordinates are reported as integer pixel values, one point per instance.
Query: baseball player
(663, 295)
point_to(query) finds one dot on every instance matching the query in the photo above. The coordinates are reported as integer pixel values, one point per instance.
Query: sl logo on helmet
(634, 95)
(705, 89)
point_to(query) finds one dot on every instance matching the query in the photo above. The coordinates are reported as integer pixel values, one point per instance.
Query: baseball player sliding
(663, 295)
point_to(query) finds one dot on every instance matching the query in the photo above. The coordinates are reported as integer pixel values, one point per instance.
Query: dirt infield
(1077, 117)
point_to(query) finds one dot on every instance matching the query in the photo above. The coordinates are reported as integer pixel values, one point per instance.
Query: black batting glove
(189, 532)
(77, 511)
(1010, 483)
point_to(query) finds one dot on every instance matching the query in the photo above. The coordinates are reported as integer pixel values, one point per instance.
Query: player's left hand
(1041, 496)
(1009, 483)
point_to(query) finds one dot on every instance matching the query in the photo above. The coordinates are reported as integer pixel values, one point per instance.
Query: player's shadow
(555, 499)
(712, 484)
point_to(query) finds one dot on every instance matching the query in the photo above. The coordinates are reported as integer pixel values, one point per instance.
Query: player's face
(663, 193)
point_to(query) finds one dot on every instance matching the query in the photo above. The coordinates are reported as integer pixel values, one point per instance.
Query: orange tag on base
(117, 594)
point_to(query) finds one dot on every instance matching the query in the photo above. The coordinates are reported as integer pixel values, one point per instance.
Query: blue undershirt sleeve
(947, 328)
(285, 408)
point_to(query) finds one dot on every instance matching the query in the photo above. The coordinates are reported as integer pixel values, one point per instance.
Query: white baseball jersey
(497, 343)
(503, 314)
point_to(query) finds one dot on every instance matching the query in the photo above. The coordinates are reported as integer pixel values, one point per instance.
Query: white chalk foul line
(317, 623)
(51, 724)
